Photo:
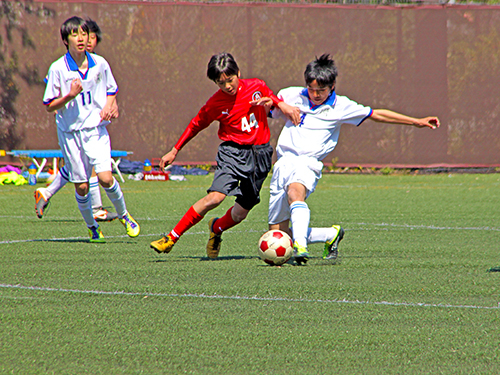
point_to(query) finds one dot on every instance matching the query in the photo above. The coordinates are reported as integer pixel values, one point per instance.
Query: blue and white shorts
(84, 149)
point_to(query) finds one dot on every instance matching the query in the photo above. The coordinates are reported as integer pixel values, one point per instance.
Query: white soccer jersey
(83, 111)
(319, 129)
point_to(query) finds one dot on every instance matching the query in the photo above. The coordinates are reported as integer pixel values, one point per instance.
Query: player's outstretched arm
(168, 158)
(391, 117)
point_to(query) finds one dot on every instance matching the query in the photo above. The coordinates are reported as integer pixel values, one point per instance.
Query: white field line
(245, 298)
(384, 226)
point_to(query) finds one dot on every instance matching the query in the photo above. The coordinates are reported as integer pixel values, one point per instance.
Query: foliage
(15, 39)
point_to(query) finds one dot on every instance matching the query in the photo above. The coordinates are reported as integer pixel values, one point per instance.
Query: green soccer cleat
(163, 245)
(132, 227)
(96, 235)
(331, 251)
(214, 242)
(300, 254)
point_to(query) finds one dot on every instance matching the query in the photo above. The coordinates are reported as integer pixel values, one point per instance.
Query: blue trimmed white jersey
(83, 112)
(319, 129)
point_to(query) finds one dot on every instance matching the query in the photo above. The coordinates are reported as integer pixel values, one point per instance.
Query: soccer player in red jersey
(244, 158)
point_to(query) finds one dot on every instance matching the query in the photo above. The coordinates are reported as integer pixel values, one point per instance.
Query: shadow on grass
(82, 240)
(203, 258)
(317, 261)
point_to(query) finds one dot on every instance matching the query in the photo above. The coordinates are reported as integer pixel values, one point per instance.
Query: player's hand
(106, 113)
(76, 88)
(265, 101)
(431, 122)
(114, 110)
(168, 158)
(291, 112)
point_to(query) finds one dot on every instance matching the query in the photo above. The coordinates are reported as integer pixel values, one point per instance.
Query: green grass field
(411, 295)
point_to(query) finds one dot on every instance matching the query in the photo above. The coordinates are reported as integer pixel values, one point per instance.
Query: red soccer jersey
(239, 121)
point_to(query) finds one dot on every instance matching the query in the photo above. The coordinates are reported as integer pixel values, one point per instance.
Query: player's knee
(106, 180)
(212, 200)
(82, 189)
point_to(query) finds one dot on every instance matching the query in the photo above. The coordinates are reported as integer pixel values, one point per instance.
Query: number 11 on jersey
(89, 98)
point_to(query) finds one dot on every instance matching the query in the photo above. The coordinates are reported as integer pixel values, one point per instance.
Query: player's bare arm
(168, 158)
(76, 88)
(114, 109)
(291, 112)
(106, 112)
(391, 117)
(265, 101)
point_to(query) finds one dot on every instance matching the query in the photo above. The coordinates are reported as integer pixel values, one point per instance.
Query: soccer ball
(275, 247)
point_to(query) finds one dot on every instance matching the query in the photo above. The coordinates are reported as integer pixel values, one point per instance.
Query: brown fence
(419, 60)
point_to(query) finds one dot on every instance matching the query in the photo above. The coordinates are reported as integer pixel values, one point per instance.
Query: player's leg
(279, 209)
(43, 195)
(84, 205)
(115, 195)
(99, 212)
(331, 238)
(299, 218)
(98, 148)
(192, 217)
(242, 171)
(216, 226)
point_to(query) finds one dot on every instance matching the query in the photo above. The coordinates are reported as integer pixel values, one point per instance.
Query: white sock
(115, 195)
(86, 209)
(59, 181)
(95, 193)
(315, 235)
(299, 217)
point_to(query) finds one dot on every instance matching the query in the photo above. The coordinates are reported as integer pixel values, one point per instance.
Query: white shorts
(84, 149)
(302, 169)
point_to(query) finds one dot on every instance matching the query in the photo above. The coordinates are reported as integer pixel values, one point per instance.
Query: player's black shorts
(241, 171)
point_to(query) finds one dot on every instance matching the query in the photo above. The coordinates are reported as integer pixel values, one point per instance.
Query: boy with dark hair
(43, 195)
(301, 148)
(244, 156)
(81, 90)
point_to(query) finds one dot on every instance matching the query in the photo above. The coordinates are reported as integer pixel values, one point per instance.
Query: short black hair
(323, 70)
(70, 25)
(94, 28)
(222, 63)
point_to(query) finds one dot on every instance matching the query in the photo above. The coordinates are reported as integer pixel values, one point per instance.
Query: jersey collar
(71, 64)
(329, 101)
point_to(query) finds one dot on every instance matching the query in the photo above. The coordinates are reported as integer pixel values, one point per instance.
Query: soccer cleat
(300, 254)
(101, 214)
(331, 251)
(40, 202)
(213, 245)
(96, 235)
(163, 245)
(132, 227)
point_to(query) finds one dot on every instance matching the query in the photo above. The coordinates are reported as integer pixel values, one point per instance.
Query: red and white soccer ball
(275, 247)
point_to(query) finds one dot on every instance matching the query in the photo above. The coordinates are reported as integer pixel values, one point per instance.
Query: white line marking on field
(427, 227)
(107, 237)
(245, 298)
(384, 226)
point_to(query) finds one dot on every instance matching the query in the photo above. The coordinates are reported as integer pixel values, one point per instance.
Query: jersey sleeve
(111, 86)
(53, 86)
(201, 121)
(354, 113)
